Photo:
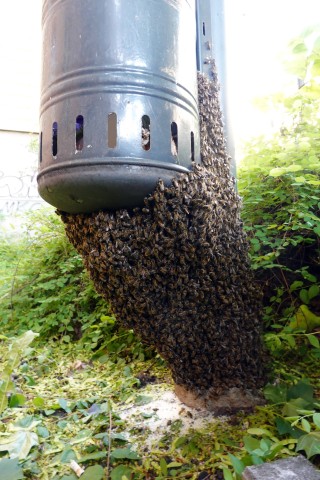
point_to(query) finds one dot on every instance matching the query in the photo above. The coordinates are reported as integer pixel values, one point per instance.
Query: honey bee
(176, 271)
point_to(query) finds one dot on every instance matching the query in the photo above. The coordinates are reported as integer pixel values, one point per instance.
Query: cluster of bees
(176, 271)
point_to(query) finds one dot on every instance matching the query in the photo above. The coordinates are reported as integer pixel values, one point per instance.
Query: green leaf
(313, 291)
(19, 444)
(306, 425)
(38, 402)
(174, 465)
(163, 467)
(275, 393)
(295, 285)
(237, 464)
(300, 48)
(178, 442)
(43, 432)
(10, 470)
(67, 455)
(64, 404)
(120, 472)
(251, 443)
(314, 341)
(81, 437)
(227, 475)
(284, 427)
(259, 432)
(304, 297)
(316, 419)
(125, 453)
(17, 400)
(94, 456)
(143, 399)
(11, 361)
(310, 443)
(301, 389)
(28, 422)
(93, 473)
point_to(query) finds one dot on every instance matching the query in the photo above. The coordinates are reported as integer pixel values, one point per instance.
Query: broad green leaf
(81, 437)
(63, 404)
(163, 467)
(237, 464)
(300, 48)
(310, 443)
(10, 469)
(174, 465)
(28, 422)
(316, 419)
(313, 291)
(296, 284)
(314, 341)
(43, 432)
(125, 453)
(251, 443)
(227, 475)
(68, 455)
(121, 472)
(93, 473)
(259, 431)
(38, 402)
(277, 172)
(17, 400)
(284, 427)
(306, 425)
(178, 442)
(94, 456)
(300, 179)
(304, 297)
(143, 399)
(304, 319)
(276, 393)
(11, 361)
(19, 444)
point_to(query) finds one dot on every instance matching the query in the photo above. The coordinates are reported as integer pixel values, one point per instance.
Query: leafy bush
(46, 289)
(279, 181)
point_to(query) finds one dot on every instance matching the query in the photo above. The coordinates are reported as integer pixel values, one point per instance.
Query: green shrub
(279, 181)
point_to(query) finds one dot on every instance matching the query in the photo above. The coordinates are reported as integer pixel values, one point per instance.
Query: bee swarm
(176, 272)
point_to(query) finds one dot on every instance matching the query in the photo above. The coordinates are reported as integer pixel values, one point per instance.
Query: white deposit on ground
(160, 409)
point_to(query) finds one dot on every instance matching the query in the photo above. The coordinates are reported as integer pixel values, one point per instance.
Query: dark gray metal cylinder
(119, 100)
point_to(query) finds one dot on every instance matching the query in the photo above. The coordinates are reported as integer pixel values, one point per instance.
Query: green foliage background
(44, 288)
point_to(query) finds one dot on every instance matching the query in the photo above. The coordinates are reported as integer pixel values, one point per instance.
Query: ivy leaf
(121, 471)
(310, 443)
(19, 444)
(93, 473)
(10, 470)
